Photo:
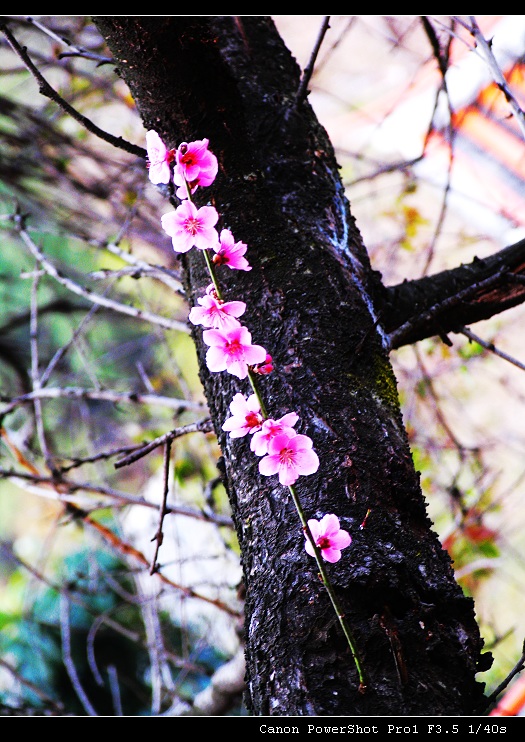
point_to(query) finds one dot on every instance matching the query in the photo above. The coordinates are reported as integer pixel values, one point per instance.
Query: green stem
(330, 590)
(306, 528)
(209, 263)
(211, 270)
(253, 382)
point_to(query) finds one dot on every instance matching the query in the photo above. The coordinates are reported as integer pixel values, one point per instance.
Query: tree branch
(75, 288)
(49, 92)
(484, 49)
(447, 301)
(99, 394)
(307, 74)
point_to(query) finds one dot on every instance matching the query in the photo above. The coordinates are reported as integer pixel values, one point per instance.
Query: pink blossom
(289, 456)
(185, 187)
(215, 312)
(232, 351)
(271, 428)
(328, 536)
(195, 162)
(159, 158)
(230, 253)
(188, 226)
(246, 416)
(264, 368)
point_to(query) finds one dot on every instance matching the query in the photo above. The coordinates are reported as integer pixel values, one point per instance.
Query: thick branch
(446, 301)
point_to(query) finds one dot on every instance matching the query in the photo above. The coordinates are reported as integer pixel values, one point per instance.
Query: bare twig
(163, 509)
(115, 690)
(101, 456)
(115, 543)
(491, 347)
(518, 667)
(121, 547)
(73, 597)
(57, 705)
(159, 272)
(442, 59)
(302, 91)
(35, 373)
(69, 663)
(437, 406)
(204, 426)
(76, 51)
(486, 53)
(61, 352)
(102, 395)
(70, 488)
(49, 92)
(381, 169)
(75, 288)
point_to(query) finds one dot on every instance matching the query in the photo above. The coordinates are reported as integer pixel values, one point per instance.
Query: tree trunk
(232, 80)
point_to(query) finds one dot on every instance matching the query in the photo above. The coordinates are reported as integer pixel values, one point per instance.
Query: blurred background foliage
(98, 614)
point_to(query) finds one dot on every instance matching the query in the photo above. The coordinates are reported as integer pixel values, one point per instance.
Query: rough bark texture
(233, 81)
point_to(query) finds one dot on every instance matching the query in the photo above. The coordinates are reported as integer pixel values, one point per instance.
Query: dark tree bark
(309, 296)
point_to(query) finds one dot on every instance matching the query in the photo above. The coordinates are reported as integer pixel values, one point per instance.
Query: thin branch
(32, 687)
(154, 642)
(436, 406)
(454, 33)
(518, 667)
(335, 44)
(101, 395)
(68, 658)
(76, 51)
(101, 456)
(381, 169)
(59, 305)
(159, 272)
(491, 347)
(124, 548)
(67, 496)
(73, 596)
(49, 92)
(163, 509)
(486, 53)
(115, 690)
(75, 288)
(204, 426)
(35, 374)
(61, 352)
(302, 91)
(115, 543)
(442, 59)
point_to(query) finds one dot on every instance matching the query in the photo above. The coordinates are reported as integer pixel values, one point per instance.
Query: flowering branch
(282, 450)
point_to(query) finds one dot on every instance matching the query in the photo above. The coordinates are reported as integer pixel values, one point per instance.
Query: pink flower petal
(159, 158)
(215, 359)
(269, 465)
(328, 536)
